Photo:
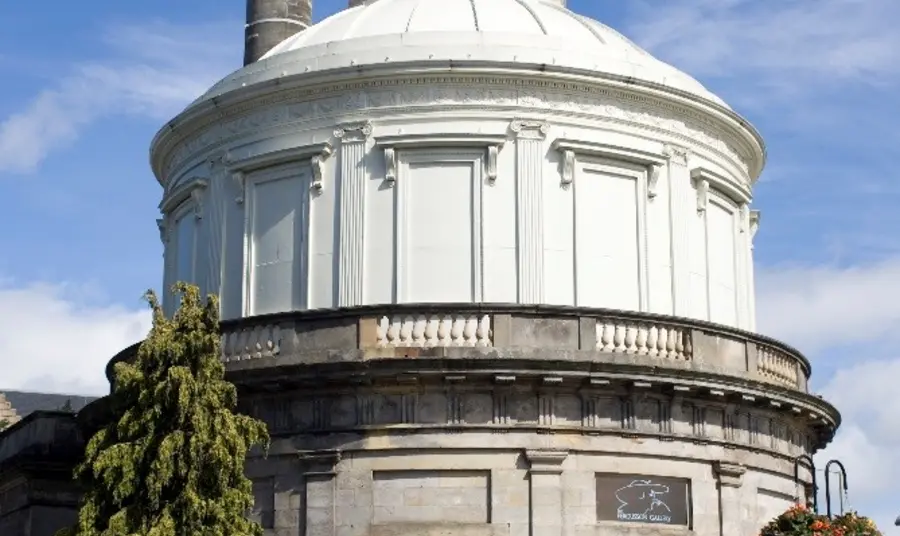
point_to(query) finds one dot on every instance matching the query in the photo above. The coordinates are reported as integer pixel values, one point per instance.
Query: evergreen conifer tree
(172, 462)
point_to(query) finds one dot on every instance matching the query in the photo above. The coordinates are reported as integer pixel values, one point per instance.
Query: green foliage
(172, 464)
(801, 521)
(4, 424)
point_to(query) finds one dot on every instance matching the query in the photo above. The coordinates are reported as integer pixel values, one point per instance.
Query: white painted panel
(699, 295)
(659, 250)
(186, 241)
(559, 238)
(607, 248)
(721, 229)
(499, 232)
(378, 280)
(233, 254)
(321, 243)
(275, 243)
(438, 265)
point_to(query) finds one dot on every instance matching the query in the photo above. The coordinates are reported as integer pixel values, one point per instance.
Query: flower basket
(801, 521)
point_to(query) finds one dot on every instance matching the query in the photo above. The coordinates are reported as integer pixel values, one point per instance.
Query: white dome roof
(512, 32)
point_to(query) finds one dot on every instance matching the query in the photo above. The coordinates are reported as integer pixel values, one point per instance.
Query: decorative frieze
(507, 406)
(610, 107)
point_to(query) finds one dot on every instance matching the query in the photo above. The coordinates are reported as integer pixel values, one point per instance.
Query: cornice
(192, 188)
(511, 403)
(572, 147)
(737, 193)
(396, 90)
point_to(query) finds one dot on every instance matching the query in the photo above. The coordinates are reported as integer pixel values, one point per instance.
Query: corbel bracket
(314, 153)
(754, 220)
(570, 148)
(192, 189)
(317, 162)
(390, 165)
(702, 186)
(391, 144)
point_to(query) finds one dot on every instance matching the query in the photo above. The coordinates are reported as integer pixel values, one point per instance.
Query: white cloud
(55, 338)
(151, 71)
(847, 317)
(789, 42)
(867, 443)
(814, 308)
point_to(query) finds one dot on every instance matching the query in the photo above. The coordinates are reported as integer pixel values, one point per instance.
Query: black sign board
(654, 500)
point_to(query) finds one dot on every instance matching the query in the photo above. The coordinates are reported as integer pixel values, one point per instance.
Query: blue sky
(85, 92)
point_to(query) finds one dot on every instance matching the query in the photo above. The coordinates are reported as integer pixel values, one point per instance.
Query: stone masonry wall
(7, 412)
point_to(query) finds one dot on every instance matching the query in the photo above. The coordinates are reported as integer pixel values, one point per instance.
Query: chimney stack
(270, 22)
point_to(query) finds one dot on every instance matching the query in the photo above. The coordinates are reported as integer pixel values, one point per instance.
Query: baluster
(608, 335)
(630, 338)
(679, 343)
(471, 327)
(406, 330)
(456, 332)
(672, 343)
(444, 331)
(431, 331)
(619, 339)
(652, 340)
(394, 332)
(688, 346)
(484, 331)
(381, 332)
(641, 340)
(663, 343)
(418, 331)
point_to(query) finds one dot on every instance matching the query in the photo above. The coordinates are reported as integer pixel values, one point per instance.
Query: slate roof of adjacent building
(26, 403)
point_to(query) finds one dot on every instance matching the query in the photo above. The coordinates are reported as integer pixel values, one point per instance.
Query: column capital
(350, 132)
(729, 474)
(546, 461)
(529, 128)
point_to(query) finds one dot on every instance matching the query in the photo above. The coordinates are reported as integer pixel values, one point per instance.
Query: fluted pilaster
(530, 208)
(352, 213)
(682, 200)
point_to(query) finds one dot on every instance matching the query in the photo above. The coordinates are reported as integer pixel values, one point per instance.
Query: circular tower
(486, 268)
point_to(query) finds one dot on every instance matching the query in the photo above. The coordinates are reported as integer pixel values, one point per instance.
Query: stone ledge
(44, 437)
(505, 331)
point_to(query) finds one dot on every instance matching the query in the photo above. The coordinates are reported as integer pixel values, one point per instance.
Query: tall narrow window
(722, 251)
(277, 206)
(439, 227)
(609, 236)
(186, 244)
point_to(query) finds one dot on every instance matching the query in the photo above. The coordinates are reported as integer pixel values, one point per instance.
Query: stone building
(485, 268)
(37, 454)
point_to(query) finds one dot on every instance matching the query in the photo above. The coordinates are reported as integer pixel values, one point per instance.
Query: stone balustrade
(428, 331)
(650, 339)
(510, 331)
(584, 334)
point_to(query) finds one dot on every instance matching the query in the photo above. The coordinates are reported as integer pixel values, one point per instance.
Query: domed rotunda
(486, 269)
